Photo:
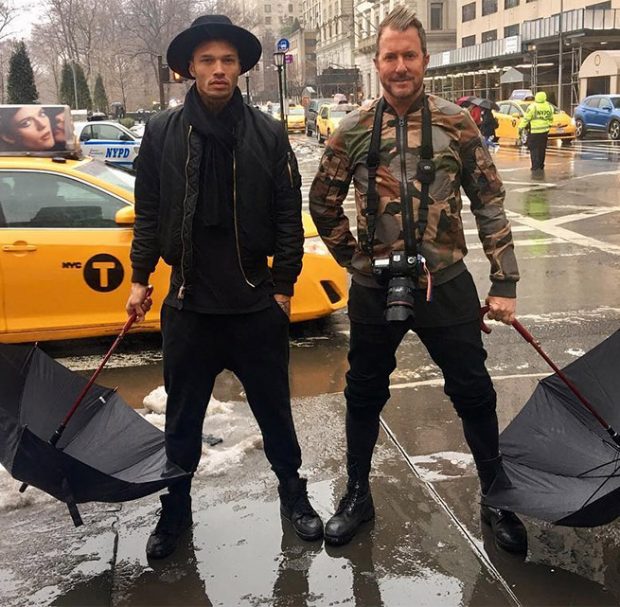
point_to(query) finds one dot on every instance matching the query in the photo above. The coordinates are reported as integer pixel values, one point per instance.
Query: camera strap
(372, 162)
(425, 174)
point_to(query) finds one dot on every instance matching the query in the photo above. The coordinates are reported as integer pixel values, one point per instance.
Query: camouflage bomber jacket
(460, 160)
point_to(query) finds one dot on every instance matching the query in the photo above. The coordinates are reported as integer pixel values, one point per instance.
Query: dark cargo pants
(459, 353)
(197, 347)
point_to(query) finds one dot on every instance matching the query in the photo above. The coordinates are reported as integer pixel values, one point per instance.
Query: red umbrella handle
(130, 320)
(527, 336)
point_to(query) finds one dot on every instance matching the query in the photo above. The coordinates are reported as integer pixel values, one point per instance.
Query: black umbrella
(561, 452)
(485, 104)
(104, 451)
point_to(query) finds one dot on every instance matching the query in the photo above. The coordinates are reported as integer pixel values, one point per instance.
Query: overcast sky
(29, 11)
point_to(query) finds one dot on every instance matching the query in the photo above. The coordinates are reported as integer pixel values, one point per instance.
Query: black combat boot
(509, 531)
(175, 518)
(355, 508)
(296, 508)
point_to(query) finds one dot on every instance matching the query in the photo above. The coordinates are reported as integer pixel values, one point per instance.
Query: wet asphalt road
(426, 546)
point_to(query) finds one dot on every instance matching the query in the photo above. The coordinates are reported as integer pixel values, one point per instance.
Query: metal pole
(162, 98)
(75, 96)
(560, 56)
(284, 87)
(282, 119)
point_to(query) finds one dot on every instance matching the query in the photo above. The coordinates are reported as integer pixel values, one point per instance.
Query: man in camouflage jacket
(447, 323)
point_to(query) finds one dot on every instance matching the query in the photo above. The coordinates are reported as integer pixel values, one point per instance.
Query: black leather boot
(509, 531)
(296, 508)
(355, 508)
(175, 518)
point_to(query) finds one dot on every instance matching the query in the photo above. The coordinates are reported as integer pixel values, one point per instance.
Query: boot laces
(350, 499)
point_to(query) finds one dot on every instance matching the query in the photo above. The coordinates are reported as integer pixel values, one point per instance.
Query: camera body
(400, 273)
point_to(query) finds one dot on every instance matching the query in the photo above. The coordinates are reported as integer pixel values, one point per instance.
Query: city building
(530, 44)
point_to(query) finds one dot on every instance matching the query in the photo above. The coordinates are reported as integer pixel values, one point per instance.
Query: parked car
(311, 113)
(329, 118)
(510, 114)
(65, 236)
(296, 119)
(138, 130)
(108, 140)
(598, 113)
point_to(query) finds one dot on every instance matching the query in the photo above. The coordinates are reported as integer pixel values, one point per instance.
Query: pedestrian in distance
(407, 265)
(487, 129)
(217, 192)
(538, 118)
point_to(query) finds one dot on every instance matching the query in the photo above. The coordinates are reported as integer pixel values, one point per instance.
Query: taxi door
(64, 262)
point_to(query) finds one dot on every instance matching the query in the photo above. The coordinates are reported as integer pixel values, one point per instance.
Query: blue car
(598, 113)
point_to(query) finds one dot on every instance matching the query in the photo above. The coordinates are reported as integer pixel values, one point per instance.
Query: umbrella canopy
(485, 104)
(108, 453)
(466, 100)
(562, 465)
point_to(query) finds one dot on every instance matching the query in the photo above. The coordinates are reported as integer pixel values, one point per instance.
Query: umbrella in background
(485, 104)
(561, 452)
(104, 451)
(466, 100)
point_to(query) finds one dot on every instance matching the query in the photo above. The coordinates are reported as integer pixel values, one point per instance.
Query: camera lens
(400, 302)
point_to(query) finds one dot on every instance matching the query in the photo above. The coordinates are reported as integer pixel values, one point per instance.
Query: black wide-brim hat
(212, 27)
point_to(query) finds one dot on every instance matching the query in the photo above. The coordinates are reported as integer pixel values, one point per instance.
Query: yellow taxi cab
(65, 235)
(510, 113)
(329, 117)
(296, 119)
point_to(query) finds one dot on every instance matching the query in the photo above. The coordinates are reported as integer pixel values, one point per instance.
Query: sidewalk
(424, 548)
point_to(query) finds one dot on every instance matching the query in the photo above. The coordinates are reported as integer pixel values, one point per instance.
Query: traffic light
(164, 74)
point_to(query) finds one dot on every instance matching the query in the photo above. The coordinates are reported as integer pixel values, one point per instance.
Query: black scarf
(218, 135)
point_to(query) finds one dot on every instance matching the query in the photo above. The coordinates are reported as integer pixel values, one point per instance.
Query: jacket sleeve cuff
(283, 288)
(503, 289)
(141, 276)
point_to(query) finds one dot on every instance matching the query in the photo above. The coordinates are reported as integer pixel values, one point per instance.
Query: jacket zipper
(290, 170)
(181, 292)
(235, 219)
(407, 211)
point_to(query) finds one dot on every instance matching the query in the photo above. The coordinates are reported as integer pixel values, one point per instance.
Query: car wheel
(580, 129)
(566, 142)
(318, 136)
(614, 130)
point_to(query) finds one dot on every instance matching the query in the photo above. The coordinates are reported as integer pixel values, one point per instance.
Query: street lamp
(278, 60)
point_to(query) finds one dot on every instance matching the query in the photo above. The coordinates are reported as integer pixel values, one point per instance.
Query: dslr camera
(400, 273)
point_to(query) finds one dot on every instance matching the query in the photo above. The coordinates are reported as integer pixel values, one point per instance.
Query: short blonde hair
(401, 18)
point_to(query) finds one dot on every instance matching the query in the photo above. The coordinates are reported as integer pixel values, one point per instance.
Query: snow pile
(230, 421)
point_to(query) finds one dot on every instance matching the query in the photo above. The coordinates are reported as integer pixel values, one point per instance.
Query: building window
(528, 1)
(267, 8)
(489, 7)
(489, 35)
(268, 20)
(436, 15)
(511, 30)
(290, 8)
(511, 3)
(468, 40)
(469, 12)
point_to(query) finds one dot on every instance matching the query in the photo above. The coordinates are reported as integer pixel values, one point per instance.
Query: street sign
(288, 58)
(283, 45)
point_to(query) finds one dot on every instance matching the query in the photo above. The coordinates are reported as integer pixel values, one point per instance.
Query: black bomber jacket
(266, 199)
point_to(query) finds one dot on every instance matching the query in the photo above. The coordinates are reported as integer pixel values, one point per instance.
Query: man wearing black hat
(217, 192)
